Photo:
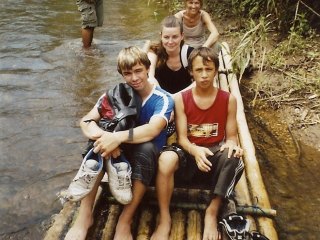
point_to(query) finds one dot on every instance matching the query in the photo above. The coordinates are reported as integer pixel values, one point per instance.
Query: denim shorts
(143, 158)
(91, 13)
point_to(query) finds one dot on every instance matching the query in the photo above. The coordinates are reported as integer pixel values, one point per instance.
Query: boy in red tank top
(208, 150)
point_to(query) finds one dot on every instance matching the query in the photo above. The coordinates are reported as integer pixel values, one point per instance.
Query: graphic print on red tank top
(206, 127)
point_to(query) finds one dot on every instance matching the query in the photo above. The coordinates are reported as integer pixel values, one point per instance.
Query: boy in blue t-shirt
(141, 145)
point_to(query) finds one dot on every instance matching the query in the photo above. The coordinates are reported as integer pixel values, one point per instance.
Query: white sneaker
(119, 175)
(86, 177)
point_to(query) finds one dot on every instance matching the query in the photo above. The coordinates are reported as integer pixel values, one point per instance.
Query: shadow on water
(47, 83)
(290, 172)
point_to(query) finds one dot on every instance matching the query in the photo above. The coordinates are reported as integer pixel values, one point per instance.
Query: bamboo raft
(187, 205)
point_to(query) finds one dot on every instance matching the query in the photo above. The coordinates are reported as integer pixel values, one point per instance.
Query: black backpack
(126, 104)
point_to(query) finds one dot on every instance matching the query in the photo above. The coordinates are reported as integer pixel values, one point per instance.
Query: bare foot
(163, 230)
(123, 232)
(210, 228)
(79, 229)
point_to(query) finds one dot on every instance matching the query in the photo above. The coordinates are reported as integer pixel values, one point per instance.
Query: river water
(47, 83)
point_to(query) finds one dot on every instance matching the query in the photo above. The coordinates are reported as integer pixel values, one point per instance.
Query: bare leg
(168, 163)
(84, 220)
(211, 221)
(123, 229)
(87, 36)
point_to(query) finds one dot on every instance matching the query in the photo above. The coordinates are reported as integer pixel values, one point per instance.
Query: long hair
(168, 22)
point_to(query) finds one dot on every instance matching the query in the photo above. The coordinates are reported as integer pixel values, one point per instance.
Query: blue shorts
(91, 13)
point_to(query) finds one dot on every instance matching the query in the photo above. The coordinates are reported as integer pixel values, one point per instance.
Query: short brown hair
(207, 54)
(201, 2)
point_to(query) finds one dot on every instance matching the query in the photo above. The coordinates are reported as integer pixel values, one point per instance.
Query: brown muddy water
(47, 83)
(290, 171)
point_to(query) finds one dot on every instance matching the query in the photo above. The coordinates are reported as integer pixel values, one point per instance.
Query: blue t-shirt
(158, 104)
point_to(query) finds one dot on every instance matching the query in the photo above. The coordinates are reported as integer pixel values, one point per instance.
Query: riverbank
(288, 83)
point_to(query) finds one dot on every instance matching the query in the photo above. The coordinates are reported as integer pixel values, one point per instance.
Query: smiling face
(193, 6)
(136, 77)
(171, 38)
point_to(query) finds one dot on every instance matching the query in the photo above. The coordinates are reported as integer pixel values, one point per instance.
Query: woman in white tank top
(195, 23)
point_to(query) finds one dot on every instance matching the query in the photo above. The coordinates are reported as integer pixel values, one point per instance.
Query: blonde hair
(131, 56)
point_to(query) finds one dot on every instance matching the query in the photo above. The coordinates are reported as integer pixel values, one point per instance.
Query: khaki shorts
(91, 13)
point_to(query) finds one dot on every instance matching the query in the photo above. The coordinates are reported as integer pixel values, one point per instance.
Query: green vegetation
(277, 42)
(280, 41)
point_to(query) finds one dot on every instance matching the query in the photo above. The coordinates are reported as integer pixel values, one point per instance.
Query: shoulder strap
(184, 55)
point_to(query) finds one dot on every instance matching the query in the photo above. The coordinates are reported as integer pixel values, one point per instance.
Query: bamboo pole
(241, 189)
(243, 198)
(66, 218)
(109, 227)
(256, 185)
(194, 227)
(253, 210)
(144, 228)
(178, 225)
(61, 221)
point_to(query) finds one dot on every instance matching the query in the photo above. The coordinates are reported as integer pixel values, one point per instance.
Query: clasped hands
(201, 154)
(107, 145)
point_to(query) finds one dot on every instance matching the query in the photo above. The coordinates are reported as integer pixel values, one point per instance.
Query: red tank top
(206, 127)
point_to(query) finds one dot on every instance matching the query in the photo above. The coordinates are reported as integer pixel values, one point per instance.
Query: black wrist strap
(89, 120)
(130, 137)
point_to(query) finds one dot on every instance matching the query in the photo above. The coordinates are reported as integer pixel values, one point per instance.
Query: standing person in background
(169, 57)
(195, 23)
(91, 17)
(208, 151)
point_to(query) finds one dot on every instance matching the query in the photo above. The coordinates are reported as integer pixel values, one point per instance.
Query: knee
(168, 162)
(148, 149)
(145, 154)
(237, 164)
(232, 160)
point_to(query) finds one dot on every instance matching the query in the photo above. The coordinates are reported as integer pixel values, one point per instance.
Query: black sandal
(235, 226)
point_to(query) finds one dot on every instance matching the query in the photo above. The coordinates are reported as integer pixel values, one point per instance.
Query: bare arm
(90, 129)
(110, 141)
(181, 122)
(214, 34)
